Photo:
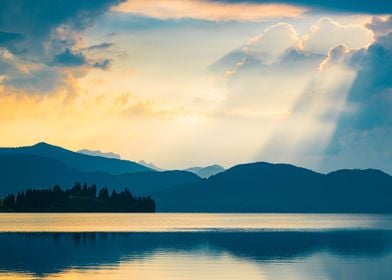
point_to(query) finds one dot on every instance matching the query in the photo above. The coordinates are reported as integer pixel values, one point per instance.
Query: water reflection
(339, 254)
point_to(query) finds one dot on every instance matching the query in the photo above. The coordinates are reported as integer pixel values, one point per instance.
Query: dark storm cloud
(371, 92)
(354, 6)
(365, 130)
(35, 20)
(39, 38)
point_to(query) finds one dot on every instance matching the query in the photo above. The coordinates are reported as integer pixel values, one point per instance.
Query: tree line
(76, 199)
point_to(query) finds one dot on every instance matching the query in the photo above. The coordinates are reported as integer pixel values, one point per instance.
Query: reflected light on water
(203, 265)
(195, 246)
(166, 222)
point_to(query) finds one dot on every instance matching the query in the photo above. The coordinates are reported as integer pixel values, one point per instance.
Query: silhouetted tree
(9, 202)
(103, 194)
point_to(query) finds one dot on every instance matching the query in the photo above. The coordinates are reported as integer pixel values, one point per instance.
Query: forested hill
(19, 172)
(77, 199)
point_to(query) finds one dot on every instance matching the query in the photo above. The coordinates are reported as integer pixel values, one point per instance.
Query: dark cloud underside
(42, 37)
(356, 6)
(34, 20)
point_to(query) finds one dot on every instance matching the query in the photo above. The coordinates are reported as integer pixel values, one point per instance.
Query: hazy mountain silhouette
(265, 187)
(82, 162)
(150, 165)
(20, 171)
(205, 172)
(98, 153)
(255, 187)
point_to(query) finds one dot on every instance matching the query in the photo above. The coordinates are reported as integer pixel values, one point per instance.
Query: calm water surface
(195, 246)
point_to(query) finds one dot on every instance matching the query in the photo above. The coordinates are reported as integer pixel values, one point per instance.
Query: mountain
(150, 165)
(78, 161)
(20, 171)
(266, 187)
(254, 187)
(98, 153)
(205, 172)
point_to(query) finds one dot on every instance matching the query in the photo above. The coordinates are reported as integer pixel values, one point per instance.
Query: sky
(185, 83)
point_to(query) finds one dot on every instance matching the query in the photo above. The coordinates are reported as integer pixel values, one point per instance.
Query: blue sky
(196, 82)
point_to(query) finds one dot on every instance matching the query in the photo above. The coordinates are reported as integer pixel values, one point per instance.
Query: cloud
(104, 65)
(42, 46)
(336, 55)
(36, 21)
(337, 92)
(326, 34)
(353, 6)
(208, 10)
(280, 45)
(380, 25)
(362, 136)
(344, 117)
(275, 40)
(102, 46)
(69, 59)
(372, 90)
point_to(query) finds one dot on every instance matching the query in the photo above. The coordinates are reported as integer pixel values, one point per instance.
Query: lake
(195, 246)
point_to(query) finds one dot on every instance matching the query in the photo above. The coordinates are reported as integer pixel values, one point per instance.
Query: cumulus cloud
(336, 55)
(275, 40)
(380, 25)
(344, 117)
(208, 10)
(326, 34)
(335, 84)
(371, 93)
(363, 129)
(279, 44)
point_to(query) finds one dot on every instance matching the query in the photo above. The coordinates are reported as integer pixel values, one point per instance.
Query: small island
(76, 199)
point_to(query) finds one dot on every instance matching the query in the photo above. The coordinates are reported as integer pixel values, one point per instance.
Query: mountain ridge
(20, 172)
(248, 187)
(207, 171)
(83, 162)
(267, 187)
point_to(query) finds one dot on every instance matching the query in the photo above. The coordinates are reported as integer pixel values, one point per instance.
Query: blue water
(195, 246)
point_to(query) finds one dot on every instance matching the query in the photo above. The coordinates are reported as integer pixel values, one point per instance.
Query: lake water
(195, 246)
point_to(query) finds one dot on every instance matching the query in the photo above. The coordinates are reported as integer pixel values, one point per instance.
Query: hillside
(79, 161)
(20, 171)
(265, 187)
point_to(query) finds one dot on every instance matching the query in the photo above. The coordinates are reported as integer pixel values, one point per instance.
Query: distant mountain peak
(150, 165)
(42, 144)
(98, 153)
(45, 145)
(79, 161)
(205, 172)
